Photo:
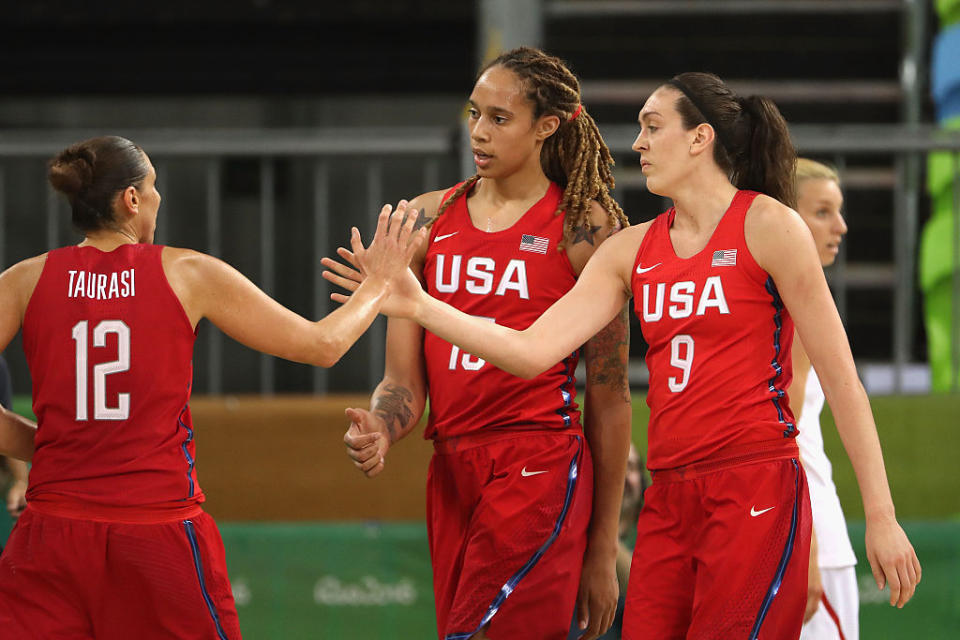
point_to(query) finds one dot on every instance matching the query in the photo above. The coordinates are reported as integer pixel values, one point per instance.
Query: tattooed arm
(397, 403)
(606, 425)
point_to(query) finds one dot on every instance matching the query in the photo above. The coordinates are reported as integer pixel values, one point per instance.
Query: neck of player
(702, 199)
(109, 239)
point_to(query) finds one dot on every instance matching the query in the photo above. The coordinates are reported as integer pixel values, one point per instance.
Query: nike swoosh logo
(526, 473)
(640, 268)
(755, 513)
(445, 236)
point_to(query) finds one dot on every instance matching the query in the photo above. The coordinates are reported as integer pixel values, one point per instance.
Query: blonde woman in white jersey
(832, 605)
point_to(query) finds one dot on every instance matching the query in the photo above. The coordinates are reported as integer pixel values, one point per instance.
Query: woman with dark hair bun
(113, 543)
(718, 281)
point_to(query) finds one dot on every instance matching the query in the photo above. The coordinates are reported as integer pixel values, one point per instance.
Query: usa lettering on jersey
(480, 275)
(101, 286)
(681, 299)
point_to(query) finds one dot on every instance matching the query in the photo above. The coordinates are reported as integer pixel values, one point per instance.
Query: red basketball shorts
(73, 579)
(721, 553)
(507, 521)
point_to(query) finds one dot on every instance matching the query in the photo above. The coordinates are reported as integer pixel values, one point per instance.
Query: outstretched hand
(893, 560)
(362, 263)
(393, 246)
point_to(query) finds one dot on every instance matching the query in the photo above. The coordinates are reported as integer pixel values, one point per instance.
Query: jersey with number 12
(720, 340)
(509, 277)
(110, 351)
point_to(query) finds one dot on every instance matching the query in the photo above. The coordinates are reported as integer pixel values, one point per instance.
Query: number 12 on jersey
(100, 372)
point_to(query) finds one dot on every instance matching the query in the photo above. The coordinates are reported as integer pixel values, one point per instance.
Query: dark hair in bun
(91, 173)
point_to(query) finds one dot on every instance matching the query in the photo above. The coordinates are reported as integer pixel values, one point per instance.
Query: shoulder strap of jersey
(659, 227)
(450, 192)
(438, 222)
(739, 206)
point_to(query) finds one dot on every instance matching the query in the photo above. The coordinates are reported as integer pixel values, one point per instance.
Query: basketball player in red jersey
(509, 490)
(113, 543)
(718, 282)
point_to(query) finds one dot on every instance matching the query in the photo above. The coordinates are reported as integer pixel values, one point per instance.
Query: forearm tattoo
(393, 406)
(607, 354)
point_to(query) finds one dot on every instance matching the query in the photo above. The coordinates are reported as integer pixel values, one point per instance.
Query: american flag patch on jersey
(536, 244)
(724, 258)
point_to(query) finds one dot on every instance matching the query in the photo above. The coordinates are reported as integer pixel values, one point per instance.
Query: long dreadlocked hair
(575, 156)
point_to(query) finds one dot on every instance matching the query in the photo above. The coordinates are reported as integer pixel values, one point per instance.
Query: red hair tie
(576, 113)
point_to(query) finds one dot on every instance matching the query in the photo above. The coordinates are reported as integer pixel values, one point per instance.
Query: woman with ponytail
(514, 541)
(718, 281)
(114, 543)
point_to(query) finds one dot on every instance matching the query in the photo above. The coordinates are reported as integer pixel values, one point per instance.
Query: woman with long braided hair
(520, 498)
(718, 282)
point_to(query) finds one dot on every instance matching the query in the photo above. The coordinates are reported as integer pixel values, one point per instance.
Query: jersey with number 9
(110, 352)
(720, 340)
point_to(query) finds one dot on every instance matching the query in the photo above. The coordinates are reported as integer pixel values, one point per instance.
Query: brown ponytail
(575, 156)
(753, 142)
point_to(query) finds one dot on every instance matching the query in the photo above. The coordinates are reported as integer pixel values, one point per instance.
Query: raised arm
(783, 246)
(599, 294)
(210, 288)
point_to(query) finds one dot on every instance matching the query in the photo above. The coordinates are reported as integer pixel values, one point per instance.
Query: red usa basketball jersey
(720, 341)
(110, 352)
(509, 277)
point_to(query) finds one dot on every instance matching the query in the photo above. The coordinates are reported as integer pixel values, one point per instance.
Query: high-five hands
(364, 263)
(393, 246)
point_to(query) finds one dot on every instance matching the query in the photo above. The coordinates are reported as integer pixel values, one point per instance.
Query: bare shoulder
(765, 210)
(427, 205)
(28, 269)
(186, 261)
(627, 240)
(190, 271)
(587, 238)
(771, 229)
(21, 278)
(597, 228)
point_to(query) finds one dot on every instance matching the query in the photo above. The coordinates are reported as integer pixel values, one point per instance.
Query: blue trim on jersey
(186, 454)
(567, 391)
(784, 558)
(511, 584)
(198, 565)
(775, 363)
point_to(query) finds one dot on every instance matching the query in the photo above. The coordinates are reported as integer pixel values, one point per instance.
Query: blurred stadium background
(275, 125)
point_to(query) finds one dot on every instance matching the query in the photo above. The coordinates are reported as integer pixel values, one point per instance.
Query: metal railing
(435, 149)
(432, 147)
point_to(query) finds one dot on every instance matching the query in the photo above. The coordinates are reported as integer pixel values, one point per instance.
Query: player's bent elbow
(530, 368)
(328, 352)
